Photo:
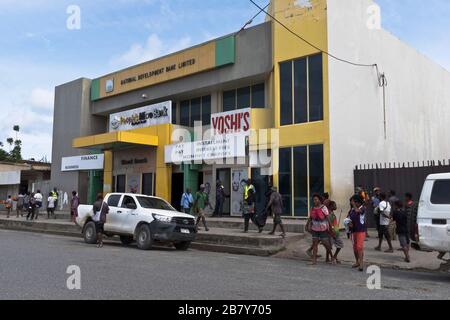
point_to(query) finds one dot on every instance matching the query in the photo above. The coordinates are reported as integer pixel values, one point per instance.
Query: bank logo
(115, 123)
(109, 86)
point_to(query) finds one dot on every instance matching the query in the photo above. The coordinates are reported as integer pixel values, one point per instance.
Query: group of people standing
(198, 203)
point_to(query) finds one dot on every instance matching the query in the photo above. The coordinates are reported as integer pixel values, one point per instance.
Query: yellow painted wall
(311, 24)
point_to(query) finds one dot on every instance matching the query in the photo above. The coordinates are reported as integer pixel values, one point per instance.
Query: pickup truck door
(113, 220)
(130, 217)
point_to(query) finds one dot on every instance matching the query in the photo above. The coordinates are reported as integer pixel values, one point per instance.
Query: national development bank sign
(218, 147)
(82, 163)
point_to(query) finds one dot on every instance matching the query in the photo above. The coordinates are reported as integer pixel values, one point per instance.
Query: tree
(16, 153)
(15, 148)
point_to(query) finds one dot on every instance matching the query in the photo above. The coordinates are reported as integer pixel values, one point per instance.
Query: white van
(433, 217)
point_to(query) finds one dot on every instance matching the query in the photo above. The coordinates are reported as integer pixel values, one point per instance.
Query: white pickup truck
(140, 218)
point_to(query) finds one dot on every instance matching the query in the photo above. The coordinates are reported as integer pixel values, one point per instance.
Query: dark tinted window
(441, 192)
(174, 113)
(258, 96)
(153, 203)
(300, 91)
(206, 110)
(113, 200)
(121, 181)
(285, 180)
(147, 184)
(243, 98)
(196, 112)
(128, 202)
(229, 100)
(315, 88)
(301, 181)
(316, 170)
(184, 113)
(286, 93)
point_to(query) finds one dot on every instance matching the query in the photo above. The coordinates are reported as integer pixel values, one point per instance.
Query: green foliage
(15, 154)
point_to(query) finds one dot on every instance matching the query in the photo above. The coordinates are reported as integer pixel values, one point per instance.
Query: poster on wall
(143, 117)
(232, 122)
(238, 176)
(134, 183)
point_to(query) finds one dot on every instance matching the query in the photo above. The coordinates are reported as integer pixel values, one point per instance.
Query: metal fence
(401, 177)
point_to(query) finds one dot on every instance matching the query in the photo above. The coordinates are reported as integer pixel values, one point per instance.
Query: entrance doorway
(224, 175)
(177, 190)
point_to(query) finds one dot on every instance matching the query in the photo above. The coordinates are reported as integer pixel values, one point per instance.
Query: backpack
(318, 214)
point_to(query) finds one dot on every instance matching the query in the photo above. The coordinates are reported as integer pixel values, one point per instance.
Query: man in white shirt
(38, 198)
(385, 210)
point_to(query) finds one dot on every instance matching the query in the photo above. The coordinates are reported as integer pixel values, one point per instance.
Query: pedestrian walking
(335, 238)
(358, 227)
(319, 226)
(392, 198)
(31, 207)
(401, 219)
(220, 199)
(385, 219)
(375, 202)
(187, 201)
(275, 206)
(249, 204)
(51, 206)
(39, 199)
(200, 203)
(54, 193)
(20, 204)
(261, 218)
(8, 206)
(411, 213)
(74, 204)
(101, 210)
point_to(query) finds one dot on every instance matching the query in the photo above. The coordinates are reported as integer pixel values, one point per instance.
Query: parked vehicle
(140, 218)
(433, 216)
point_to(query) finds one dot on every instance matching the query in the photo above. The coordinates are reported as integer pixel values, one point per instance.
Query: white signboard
(9, 178)
(237, 121)
(218, 147)
(147, 116)
(80, 163)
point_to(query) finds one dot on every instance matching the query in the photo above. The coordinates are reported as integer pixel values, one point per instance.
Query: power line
(261, 10)
(309, 43)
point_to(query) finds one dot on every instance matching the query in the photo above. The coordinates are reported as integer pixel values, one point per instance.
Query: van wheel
(182, 246)
(144, 238)
(126, 240)
(90, 234)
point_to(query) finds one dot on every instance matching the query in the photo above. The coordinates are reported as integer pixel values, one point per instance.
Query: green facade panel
(225, 51)
(95, 90)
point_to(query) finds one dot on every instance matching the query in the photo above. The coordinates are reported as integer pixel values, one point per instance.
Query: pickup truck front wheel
(90, 234)
(144, 238)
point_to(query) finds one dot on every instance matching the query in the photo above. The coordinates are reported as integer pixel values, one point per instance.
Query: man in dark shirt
(401, 219)
(101, 209)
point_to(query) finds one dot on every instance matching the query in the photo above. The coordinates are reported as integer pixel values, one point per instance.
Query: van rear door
(434, 215)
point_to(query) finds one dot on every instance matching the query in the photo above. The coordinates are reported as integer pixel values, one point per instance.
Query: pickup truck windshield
(152, 203)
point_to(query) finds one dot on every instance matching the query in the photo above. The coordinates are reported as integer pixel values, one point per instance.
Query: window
(113, 200)
(147, 184)
(184, 113)
(153, 203)
(121, 183)
(229, 100)
(245, 97)
(441, 192)
(174, 113)
(206, 110)
(285, 180)
(286, 93)
(258, 96)
(128, 202)
(301, 90)
(301, 174)
(198, 109)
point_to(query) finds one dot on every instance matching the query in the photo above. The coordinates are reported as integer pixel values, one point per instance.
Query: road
(34, 266)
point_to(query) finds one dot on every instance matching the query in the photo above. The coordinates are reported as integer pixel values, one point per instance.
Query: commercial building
(287, 112)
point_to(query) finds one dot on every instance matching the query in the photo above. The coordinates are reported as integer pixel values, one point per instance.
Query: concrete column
(108, 172)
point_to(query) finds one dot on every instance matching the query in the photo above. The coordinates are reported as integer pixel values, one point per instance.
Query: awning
(115, 140)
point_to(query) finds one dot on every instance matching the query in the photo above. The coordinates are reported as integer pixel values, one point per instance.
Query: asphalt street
(34, 266)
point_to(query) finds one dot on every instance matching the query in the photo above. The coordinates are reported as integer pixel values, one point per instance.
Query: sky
(38, 51)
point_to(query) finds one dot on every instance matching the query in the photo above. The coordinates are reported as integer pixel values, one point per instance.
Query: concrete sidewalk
(420, 260)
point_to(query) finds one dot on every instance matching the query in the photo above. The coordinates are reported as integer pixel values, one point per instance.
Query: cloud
(42, 98)
(153, 48)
